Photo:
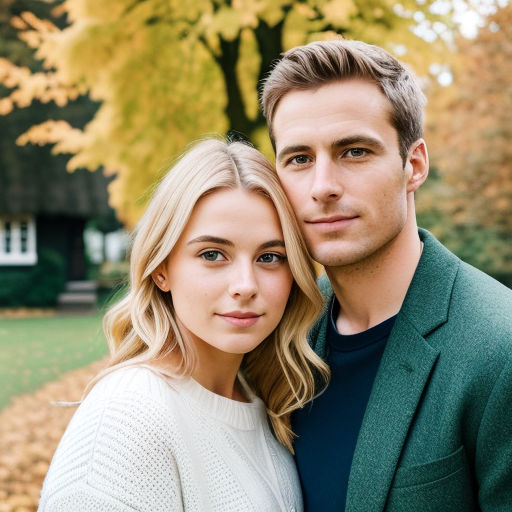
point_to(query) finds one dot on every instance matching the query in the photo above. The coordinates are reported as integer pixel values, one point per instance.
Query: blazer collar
(427, 299)
(403, 374)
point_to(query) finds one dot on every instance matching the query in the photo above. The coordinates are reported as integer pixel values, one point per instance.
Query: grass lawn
(36, 350)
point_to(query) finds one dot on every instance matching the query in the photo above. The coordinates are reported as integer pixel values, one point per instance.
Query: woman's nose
(243, 283)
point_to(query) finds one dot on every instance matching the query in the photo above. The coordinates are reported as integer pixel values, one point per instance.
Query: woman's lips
(240, 318)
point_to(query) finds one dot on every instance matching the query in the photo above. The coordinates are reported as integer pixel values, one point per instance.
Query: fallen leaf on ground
(30, 430)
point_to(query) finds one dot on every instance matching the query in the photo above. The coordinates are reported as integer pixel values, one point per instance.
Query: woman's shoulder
(126, 412)
(130, 380)
(125, 430)
(134, 398)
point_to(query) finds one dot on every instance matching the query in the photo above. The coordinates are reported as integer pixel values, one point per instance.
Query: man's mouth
(332, 222)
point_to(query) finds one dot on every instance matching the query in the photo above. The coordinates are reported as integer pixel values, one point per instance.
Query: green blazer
(437, 432)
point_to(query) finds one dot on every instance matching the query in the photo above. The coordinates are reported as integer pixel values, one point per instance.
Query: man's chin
(332, 259)
(337, 254)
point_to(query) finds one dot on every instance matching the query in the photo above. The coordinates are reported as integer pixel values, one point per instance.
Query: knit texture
(141, 442)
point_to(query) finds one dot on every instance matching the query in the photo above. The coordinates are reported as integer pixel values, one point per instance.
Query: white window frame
(15, 256)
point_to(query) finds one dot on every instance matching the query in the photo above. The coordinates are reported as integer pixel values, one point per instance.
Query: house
(43, 208)
(43, 211)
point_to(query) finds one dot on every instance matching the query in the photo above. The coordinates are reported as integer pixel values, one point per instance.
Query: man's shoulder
(483, 287)
(483, 302)
(476, 309)
(474, 292)
(468, 287)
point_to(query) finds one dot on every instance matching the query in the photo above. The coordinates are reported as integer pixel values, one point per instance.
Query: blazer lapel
(317, 336)
(395, 395)
(406, 365)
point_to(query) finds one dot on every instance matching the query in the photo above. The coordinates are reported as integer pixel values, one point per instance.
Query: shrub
(37, 288)
(13, 286)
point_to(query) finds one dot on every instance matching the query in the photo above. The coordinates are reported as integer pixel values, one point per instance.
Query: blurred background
(98, 98)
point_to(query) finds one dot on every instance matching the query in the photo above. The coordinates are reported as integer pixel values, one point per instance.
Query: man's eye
(212, 255)
(356, 152)
(299, 159)
(271, 257)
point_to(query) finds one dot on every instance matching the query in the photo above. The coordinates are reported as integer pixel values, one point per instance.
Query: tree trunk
(235, 108)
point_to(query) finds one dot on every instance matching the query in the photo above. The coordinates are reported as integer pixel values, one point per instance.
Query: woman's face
(228, 273)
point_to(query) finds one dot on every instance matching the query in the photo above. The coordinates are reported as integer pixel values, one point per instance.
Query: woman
(210, 338)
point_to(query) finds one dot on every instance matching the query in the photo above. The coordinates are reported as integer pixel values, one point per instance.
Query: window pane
(24, 236)
(7, 237)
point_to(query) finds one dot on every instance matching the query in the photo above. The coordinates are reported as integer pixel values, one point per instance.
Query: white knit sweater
(140, 442)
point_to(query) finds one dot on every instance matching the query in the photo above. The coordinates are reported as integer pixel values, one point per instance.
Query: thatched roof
(34, 181)
(50, 189)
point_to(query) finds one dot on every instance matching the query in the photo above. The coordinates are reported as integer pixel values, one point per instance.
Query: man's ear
(159, 276)
(417, 165)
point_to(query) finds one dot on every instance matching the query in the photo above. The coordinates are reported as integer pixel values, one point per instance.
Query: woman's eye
(271, 257)
(212, 255)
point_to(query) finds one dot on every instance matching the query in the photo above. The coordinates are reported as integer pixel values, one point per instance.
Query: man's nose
(326, 180)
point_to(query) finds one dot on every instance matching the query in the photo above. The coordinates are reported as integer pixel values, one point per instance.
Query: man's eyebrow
(359, 139)
(291, 149)
(340, 143)
(211, 239)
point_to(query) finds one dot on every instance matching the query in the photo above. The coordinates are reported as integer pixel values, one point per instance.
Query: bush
(13, 286)
(38, 287)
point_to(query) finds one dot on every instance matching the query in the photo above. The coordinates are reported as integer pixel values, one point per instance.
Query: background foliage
(166, 72)
(163, 73)
(468, 200)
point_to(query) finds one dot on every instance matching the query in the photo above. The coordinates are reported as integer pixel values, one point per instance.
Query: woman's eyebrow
(229, 243)
(272, 243)
(212, 239)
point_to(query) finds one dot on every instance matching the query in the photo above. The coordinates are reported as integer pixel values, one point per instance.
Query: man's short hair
(322, 62)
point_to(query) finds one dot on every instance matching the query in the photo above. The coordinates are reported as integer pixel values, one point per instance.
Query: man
(418, 413)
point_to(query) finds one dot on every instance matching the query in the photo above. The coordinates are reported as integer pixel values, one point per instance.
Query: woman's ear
(417, 165)
(159, 276)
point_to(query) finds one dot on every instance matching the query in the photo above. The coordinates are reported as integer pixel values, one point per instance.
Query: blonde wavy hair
(142, 327)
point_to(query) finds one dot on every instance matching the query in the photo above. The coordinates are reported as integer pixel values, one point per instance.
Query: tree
(32, 180)
(470, 132)
(167, 72)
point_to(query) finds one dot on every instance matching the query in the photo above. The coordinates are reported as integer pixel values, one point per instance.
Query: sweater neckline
(240, 415)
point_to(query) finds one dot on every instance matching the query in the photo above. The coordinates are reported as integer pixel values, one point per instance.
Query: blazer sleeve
(493, 464)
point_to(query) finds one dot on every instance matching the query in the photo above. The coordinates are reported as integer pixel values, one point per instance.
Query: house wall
(64, 235)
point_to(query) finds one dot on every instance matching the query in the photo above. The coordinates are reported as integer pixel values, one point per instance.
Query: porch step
(78, 296)
(81, 286)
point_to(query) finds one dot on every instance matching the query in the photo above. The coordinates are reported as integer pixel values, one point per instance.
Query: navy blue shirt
(328, 427)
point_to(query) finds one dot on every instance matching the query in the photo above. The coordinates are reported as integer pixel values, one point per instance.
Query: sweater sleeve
(116, 456)
(77, 498)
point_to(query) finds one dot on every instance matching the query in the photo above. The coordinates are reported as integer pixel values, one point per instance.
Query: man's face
(338, 159)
